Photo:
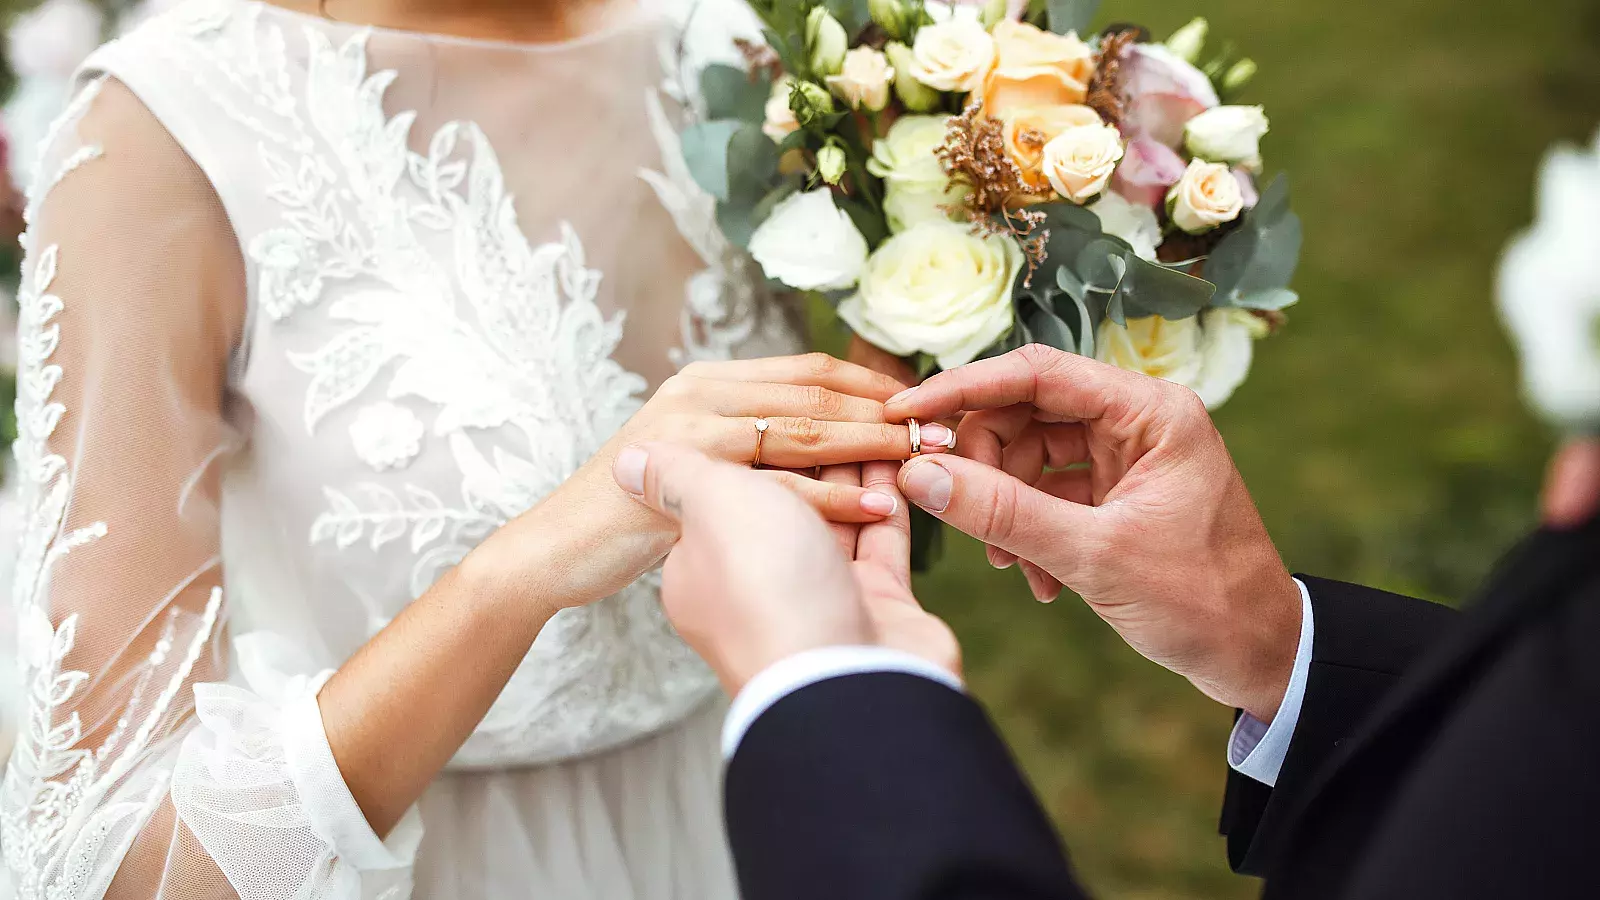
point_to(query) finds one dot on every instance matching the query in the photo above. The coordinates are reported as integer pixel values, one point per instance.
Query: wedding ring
(916, 436)
(761, 434)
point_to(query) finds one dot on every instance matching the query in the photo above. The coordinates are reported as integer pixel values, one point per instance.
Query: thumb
(999, 510)
(684, 484)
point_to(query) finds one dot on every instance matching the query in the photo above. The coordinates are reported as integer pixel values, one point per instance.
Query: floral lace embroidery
(387, 436)
(51, 780)
(439, 298)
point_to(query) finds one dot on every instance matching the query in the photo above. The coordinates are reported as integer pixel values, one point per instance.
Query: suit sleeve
(1366, 640)
(886, 786)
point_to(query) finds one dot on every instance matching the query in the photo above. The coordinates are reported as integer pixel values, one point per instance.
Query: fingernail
(878, 504)
(936, 435)
(927, 484)
(629, 470)
(902, 395)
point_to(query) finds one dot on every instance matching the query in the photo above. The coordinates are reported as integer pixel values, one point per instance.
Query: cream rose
(1229, 134)
(953, 56)
(1079, 162)
(1027, 131)
(863, 82)
(810, 244)
(1209, 353)
(916, 188)
(780, 121)
(1035, 68)
(939, 289)
(1206, 196)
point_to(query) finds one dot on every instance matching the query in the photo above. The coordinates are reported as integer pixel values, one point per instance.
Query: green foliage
(732, 93)
(1089, 276)
(1071, 15)
(1253, 266)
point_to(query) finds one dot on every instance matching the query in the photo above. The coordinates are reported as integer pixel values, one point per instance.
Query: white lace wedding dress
(308, 310)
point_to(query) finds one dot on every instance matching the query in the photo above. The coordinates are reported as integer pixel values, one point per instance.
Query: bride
(333, 316)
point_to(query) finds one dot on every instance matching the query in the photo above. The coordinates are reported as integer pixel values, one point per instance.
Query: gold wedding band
(761, 434)
(916, 436)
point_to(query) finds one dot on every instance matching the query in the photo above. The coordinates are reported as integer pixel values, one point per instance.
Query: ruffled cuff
(329, 806)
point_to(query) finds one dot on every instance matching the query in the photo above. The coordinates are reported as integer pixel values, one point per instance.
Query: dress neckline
(640, 17)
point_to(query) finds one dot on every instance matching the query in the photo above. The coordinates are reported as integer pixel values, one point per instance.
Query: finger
(770, 399)
(886, 544)
(844, 533)
(1062, 384)
(802, 443)
(813, 368)
(844, 503)
(1065, 444)
(1572, 489)
(1000, 559)
(1044, 586)
(1072, 485)
(1000, 510)
(984, 435)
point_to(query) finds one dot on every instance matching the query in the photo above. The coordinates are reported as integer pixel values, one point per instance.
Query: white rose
(1230, 134)
(864, 81)
(915, 186)
(1210, 353)
(936, 288)
(780, 121)
(809, 244)
(953, 56)
(1549, 292)
(1079, 161)
(1132, 222)
(1207, 196)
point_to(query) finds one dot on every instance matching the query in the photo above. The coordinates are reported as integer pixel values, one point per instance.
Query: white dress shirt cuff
(1256, 749)
(786, 676)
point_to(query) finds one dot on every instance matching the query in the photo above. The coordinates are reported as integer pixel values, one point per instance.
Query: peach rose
(1035, 68)
(1079, 161)
(1027, 131)
(1207, 196)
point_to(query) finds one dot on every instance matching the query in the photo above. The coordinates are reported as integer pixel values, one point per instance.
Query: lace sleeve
(138, 772)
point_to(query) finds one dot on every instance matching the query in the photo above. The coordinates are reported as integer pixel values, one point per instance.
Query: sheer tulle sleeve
(139, 769)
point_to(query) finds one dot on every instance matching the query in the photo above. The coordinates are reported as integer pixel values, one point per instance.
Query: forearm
(401, 707)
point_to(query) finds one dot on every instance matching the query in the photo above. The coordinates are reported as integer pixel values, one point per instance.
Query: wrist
(1271, 641)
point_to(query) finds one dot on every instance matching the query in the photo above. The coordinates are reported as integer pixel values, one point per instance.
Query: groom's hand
(757, 577)
(1118, 486)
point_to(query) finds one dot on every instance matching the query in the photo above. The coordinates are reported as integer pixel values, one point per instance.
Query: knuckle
(807, 433)
(820, 365)
(1000, 517)
(823, 403)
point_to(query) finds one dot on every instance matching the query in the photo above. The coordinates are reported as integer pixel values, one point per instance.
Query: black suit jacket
(1436, 756)
(1442, 755)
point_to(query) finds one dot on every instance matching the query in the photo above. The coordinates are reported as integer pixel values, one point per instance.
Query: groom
(1385, 747)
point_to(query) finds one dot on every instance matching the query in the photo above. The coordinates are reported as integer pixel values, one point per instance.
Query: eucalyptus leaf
(1277, 298)
(1261, 254)
(1047, 328)
(705, 151)
(1151, 289)
(852, 14)
(732, 93)
(752, 161)
(1071, 15)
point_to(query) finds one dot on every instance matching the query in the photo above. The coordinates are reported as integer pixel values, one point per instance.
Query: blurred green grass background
(1382, 433)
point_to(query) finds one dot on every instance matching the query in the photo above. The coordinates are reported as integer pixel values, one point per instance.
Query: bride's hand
(820, 411)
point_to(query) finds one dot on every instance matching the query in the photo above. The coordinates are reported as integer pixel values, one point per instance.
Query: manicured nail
(927, 484)
(878, 504)
(902, 395)
(629, 470)
(936, 435)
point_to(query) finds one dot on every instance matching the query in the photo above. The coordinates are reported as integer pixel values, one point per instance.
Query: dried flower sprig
(1107, 94)
(974, 154)
(759, 58)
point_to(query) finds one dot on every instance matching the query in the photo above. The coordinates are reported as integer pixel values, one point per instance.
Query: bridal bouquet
(963, 179)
